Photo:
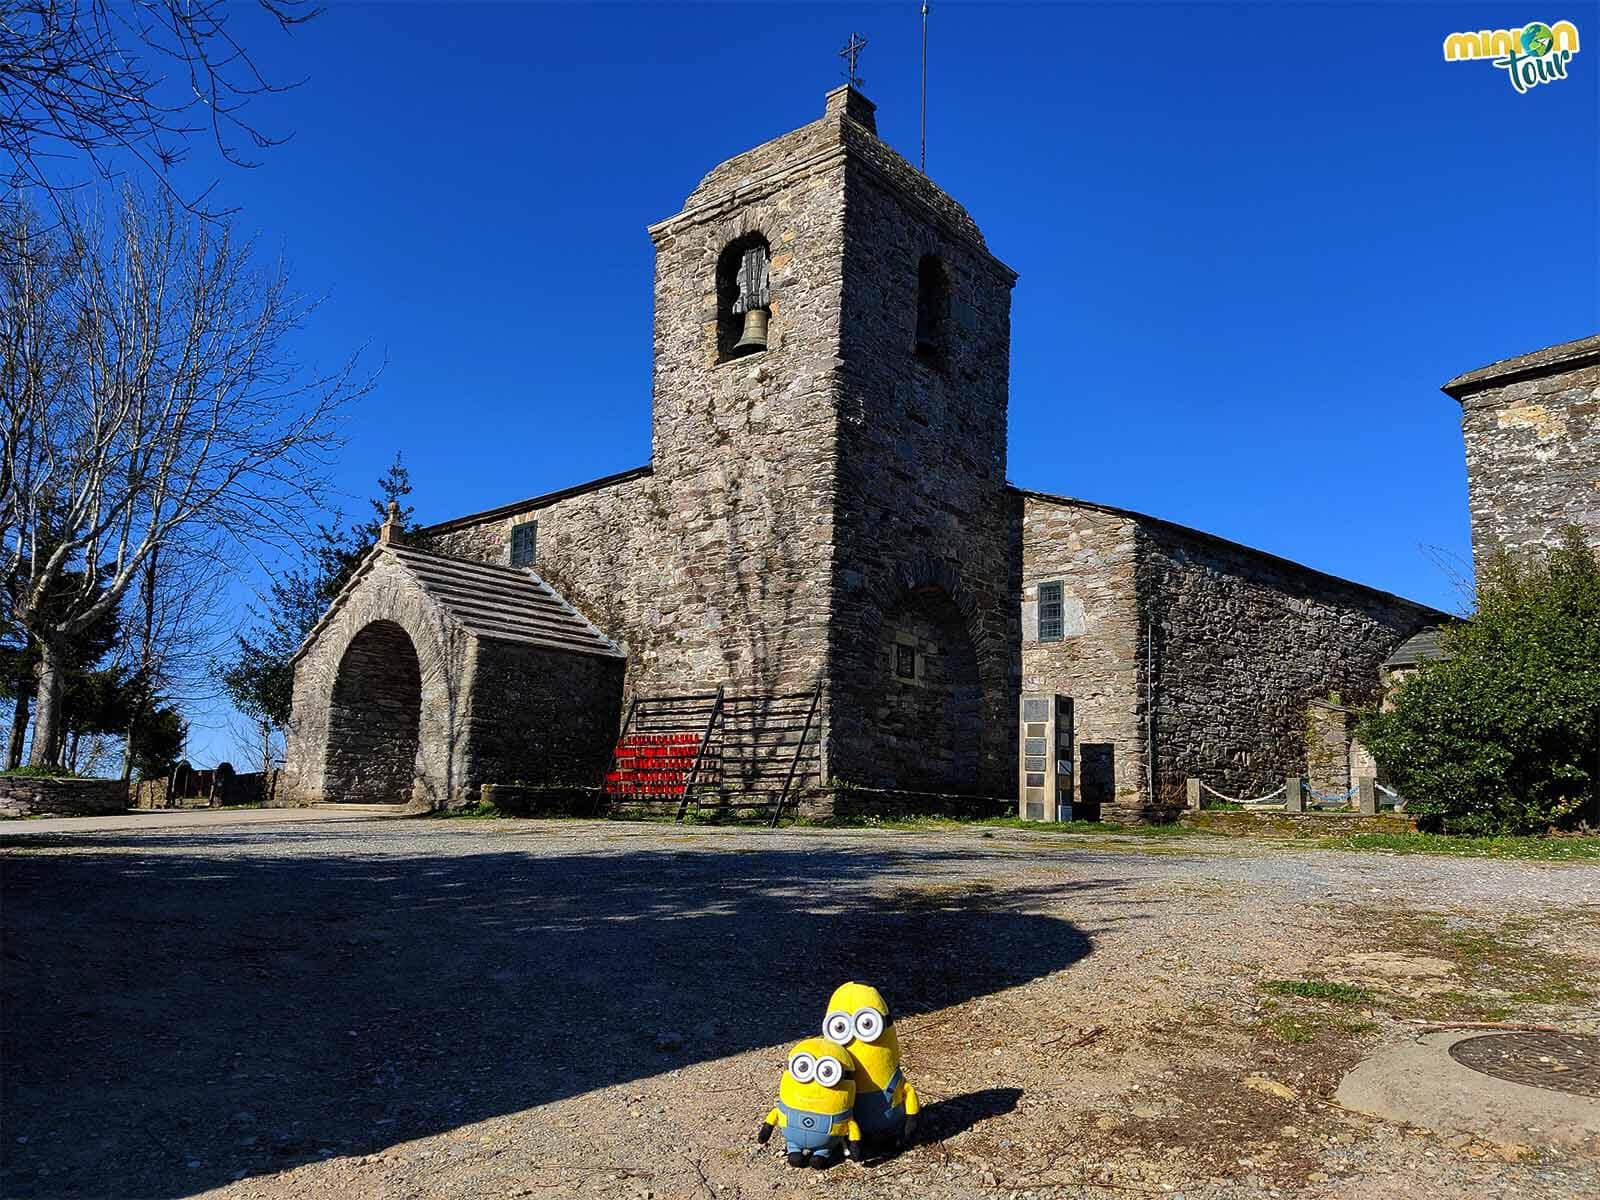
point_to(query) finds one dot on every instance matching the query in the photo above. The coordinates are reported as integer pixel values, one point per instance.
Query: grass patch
(1297, 1031)
(1318, 989)
(914, 822)
(1538, 849)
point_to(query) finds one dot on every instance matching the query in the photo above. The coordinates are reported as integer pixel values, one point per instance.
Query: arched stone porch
(430, 676)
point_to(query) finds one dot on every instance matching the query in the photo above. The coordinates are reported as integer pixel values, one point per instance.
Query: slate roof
(540, 501)
(510, 604)
(1426, 612)
(507, 604)
(1419, 647)
(1552, 358)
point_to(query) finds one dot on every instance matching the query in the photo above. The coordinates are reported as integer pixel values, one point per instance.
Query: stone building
(826, 507)
(1532, 430)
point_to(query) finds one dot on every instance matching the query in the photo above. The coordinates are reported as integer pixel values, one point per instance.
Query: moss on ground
(1553, 848)
(1503, 971)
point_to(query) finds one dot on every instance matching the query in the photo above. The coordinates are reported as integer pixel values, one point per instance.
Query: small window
(933, 308)
(905, 661)
(1051, 612)
(524, 543)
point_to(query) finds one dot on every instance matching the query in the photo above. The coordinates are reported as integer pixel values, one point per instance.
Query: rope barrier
(1278, 791)
(1277, 796)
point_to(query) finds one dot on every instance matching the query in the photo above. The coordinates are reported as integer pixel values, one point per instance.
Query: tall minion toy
(886, 1103)
(815, 1099)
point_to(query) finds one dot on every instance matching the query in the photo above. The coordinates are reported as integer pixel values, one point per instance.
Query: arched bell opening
(374, 719)
(933, 310)
(744, 297)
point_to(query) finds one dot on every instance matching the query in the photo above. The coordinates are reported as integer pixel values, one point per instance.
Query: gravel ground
(472, 1008)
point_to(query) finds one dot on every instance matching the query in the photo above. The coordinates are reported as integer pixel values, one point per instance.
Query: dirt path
(420, 1008)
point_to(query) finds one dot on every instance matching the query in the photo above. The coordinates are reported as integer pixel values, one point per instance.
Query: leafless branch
(122, 82)
(149, 401)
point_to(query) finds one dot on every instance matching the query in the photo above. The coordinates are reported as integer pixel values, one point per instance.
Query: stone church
(826, 510)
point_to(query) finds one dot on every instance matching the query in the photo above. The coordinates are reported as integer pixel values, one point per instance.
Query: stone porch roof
(1418, 648)
(507, 604)
(1560, 357)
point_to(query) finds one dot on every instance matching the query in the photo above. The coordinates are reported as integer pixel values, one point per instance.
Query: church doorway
(929, 721)
(374, 719)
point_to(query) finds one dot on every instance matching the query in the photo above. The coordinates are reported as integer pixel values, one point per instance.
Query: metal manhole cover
(1562, 1062)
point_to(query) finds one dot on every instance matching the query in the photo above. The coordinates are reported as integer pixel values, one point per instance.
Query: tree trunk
(72, 751)
(266, 747)
(52, 675)
(19, 727)
(127, 745)
(148, 595)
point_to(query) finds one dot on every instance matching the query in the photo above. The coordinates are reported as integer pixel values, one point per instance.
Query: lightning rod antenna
(924, 87)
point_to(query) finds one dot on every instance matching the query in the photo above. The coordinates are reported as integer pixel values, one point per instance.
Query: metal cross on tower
(851, 53)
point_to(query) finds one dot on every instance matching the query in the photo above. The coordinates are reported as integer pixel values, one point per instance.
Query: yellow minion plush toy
(886, 1103)
(815, 1097)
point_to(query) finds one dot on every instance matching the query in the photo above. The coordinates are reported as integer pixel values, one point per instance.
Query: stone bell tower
(831, 358)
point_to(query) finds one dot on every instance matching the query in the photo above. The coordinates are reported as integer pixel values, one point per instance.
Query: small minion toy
(815, 1097)
(886, 1103)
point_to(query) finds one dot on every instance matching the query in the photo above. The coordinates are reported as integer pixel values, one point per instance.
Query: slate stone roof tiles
(506, 603)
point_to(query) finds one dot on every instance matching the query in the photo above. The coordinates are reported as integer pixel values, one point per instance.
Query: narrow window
(933, 308)
(1051, 624)
(905, 661)
(744, 297)
(524, 543)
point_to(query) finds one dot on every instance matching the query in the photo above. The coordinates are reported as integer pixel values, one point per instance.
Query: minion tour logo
(1535, 54)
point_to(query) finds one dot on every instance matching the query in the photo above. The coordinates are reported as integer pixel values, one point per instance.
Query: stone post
(389, 532)
(1191, 790)
(1367, 795)
(1294, 797)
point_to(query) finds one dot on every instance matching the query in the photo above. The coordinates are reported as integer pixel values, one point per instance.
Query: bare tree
(173, 627)
(165, 404)
(119, 80)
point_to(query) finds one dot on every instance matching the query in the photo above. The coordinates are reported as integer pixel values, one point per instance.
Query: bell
(755, 332)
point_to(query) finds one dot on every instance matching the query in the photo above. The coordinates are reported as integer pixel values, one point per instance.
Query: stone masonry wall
(1533, 458)
(1243, 641)
(1097, 662)
(921, 468)
(542, 717)
(23, 796)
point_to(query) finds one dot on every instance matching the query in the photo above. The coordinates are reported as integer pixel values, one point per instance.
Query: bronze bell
(754, 336)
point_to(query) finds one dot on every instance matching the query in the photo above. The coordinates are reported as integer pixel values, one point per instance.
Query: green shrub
(1502, 735)
(40, 771)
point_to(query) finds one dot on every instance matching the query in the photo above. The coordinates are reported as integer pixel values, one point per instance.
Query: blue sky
(1253, 240)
